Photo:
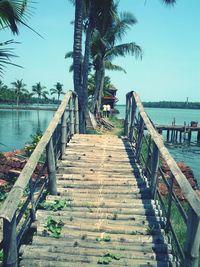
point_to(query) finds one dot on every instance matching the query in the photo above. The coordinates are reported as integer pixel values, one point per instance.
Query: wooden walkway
(109, 217)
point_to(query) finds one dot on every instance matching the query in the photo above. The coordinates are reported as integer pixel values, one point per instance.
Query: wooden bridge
(96, 200)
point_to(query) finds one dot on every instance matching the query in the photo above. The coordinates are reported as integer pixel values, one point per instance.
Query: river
(18, 125)
(190, 154)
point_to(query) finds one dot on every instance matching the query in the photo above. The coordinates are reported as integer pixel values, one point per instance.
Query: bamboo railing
(18, 210)
(143, 137)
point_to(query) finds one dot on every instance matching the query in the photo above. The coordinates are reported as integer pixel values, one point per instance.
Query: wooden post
(139, 139)
(189, 135)
(32, 211)
(10, 255)
(193, 240)
(180, 136)
(51, 165)
(63, 134)
(154, 169)
(71, 108)
(167, 135)
(198, 137)
(133, 112)
(76, 116)
(126, 126)
(170, 191)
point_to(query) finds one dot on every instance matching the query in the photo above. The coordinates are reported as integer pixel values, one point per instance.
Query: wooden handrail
(137, 127)
(12, 201)
(182, 181)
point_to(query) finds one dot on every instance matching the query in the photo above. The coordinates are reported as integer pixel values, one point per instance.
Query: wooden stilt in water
(198, 137)
(168, 135)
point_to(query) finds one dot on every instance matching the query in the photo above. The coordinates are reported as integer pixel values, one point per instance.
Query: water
(18, 125)
(188, 154)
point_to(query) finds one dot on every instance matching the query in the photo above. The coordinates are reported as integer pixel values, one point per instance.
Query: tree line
(18, 93)
(172, 104)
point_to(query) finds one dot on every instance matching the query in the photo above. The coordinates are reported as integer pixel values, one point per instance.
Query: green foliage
(173, 104)
(54, 227)
(3, 195)
(28, 149)
(108, 257)
(56, 205)
(1, 255)
(105, 238)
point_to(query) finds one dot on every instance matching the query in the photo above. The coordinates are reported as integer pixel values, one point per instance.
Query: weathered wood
(154, 170)
(139, 138)
(71, 114)
(193, 240)
(185, 186)
(76, 116)
(63, 133)
(10, 257)
(103, 198)
(12, 201)
(51, 165)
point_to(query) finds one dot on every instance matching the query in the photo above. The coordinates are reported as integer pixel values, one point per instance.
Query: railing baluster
(126, 126)
(63, 134)
(31, 193)
(170, 195)
(51, 165)
(133, 113)
(139, 138)
(10, 255)
(154, 169)
(71, 116)
(76, 115)
(193, 240)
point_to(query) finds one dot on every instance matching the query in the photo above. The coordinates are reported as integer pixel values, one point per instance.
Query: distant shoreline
(170, 105)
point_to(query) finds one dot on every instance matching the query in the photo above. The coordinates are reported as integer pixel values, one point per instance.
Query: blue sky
(169, 36)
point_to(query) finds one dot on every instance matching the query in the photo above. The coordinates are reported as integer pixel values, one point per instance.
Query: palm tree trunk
(17, 100)
(101, 88)
(99, 82)
(77, 51)
(89, 31)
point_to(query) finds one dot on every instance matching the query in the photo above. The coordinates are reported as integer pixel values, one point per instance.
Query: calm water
(17, 127)
(189, 154)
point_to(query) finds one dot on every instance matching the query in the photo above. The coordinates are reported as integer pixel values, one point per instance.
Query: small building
(110, 99)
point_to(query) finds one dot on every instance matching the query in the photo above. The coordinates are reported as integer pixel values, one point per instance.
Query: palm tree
(12, 13)
(19, 89)
(57, 90)
(105, 48)
(40, 91)
(77, 63)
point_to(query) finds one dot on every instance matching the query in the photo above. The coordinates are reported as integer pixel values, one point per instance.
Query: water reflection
(18, 125)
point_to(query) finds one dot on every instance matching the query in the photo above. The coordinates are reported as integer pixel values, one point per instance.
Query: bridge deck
(109, 216)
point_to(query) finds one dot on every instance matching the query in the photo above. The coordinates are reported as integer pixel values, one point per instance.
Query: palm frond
(113, 67)
(123, 50)
(5, 56)
(69, 54)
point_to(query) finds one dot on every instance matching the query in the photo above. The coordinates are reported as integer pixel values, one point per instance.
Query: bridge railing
(18, 210)
(151, 153)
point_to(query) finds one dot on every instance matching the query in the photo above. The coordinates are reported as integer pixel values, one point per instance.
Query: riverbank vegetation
(18, 93)
(172, 104)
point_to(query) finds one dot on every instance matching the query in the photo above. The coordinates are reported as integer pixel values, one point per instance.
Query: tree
(77, 63)
(57, 90)
(12, 13)
(19, 89)
(40, 91)
(105, 48)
